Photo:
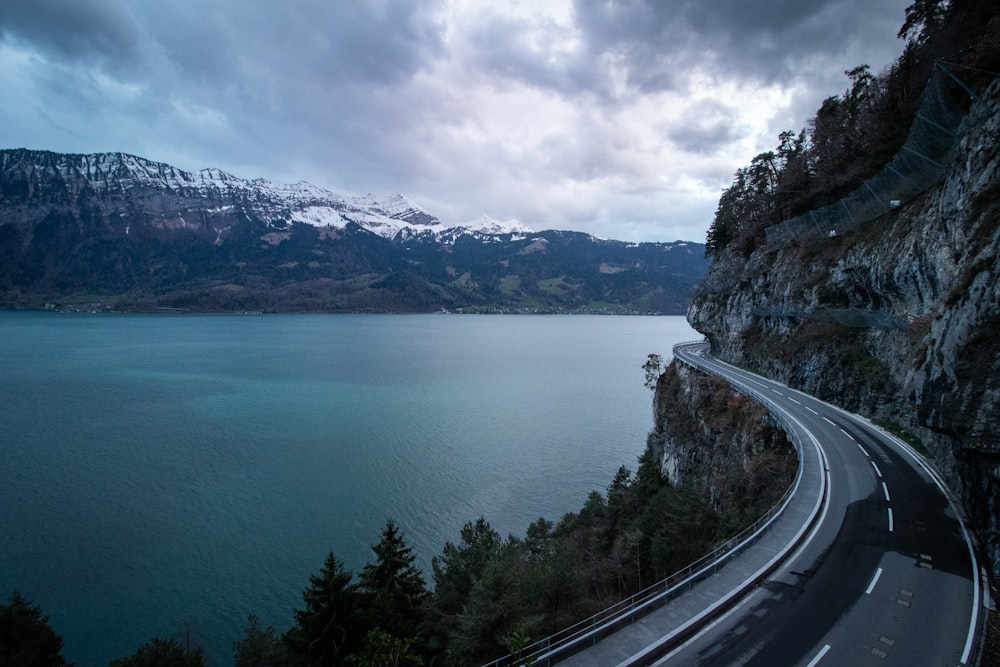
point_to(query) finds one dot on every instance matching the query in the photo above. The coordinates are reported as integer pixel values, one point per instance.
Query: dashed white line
(819, 656)
(890, 519)
(794, 401)
(810, 409)
(847, 434)
(777, 392)
(756, 382)
(885, 490)
(877, 471)
(863, 450)
(829, 421)
(871, 586)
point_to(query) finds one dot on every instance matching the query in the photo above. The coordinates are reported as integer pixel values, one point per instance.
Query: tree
(383, 650)
(653, 368)
(458, 568)
(327, 630)
(162, 653)
(923, 19)
(394, 589)
(26, 639)
(259, 647)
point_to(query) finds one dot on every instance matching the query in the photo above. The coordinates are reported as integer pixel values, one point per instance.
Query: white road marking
(863, 450)
(819, 656)
(871, 586)
(828, 421)
(756, 382)
(890, 519)
(885, 490)
(847, 434)
(777, 392)
(810, 410)
(876, 468)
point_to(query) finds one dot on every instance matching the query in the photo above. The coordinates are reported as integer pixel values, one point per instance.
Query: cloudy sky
(623, 118)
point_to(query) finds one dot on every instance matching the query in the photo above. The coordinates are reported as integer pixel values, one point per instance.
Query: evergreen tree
(259, 647)
(162, 653)
(458, 567)
(327, 630)
(26, 639)
(395, 593)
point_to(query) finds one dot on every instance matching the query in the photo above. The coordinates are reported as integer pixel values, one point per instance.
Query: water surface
(168, 474)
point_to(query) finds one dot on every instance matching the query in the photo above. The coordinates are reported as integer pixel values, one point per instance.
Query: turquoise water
(168, 475)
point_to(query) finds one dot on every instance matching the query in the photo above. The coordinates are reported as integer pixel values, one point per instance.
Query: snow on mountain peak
(386, 214)
(488, 225)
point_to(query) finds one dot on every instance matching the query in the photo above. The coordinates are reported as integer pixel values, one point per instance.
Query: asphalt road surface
(887, 576)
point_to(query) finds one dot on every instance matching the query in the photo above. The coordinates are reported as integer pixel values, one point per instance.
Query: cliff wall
(711, 438)
(897, 319)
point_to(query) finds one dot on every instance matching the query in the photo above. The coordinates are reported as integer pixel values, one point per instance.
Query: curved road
(887, 576)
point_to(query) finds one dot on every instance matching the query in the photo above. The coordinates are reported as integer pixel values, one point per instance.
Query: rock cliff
(897, 319)
(720, 442)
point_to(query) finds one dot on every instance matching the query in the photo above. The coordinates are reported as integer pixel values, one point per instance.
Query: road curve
(888, 574)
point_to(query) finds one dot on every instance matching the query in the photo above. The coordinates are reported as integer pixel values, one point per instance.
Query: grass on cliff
(906, 436)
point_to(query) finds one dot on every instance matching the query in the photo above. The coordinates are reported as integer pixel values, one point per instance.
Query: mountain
(116, 231)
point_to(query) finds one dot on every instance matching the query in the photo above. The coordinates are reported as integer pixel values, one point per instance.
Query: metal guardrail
(589, 631)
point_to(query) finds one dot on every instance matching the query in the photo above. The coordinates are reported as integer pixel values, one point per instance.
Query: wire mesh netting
(919, 164)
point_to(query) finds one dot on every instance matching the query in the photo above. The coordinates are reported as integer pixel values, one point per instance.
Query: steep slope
(896, 318)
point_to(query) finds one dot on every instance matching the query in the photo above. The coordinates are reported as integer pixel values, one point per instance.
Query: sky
(621, 118)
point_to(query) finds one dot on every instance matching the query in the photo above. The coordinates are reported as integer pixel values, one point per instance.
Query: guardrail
(589, 631)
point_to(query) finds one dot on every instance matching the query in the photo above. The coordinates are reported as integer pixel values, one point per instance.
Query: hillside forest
(852, 135)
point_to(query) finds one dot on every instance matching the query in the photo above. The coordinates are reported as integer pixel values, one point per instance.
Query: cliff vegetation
(895, 317)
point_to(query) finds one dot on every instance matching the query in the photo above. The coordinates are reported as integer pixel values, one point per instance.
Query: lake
(164, 475)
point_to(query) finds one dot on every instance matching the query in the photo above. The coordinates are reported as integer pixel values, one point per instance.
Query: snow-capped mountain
(167, 190)
(143, 235)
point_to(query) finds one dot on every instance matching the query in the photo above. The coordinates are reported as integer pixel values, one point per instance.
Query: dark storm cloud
(97, 29)
(515, 109)
(660, 44)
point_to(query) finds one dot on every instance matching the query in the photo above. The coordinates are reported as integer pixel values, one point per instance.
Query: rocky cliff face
(720, 442)
(898, 319)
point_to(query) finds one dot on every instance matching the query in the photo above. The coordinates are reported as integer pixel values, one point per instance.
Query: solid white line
(876, 468)
(863, 450)
(819, 656)
(739, 605)
(918, 460)
(976, 594)
(890, 519)
(847, 434)
(871, 586)
(885, 489)
(828, 421)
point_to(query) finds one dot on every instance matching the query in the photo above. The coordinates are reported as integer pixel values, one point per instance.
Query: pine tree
(395, 592)
(327, 631)
(162, 653)
(259, 647)
(26, 639)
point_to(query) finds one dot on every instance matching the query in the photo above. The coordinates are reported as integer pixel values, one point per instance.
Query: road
(887, 575)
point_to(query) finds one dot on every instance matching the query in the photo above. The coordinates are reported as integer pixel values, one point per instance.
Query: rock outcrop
(712, 438)
(897, 319)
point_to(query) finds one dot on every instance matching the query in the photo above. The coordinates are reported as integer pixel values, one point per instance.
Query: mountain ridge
(131, 233)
